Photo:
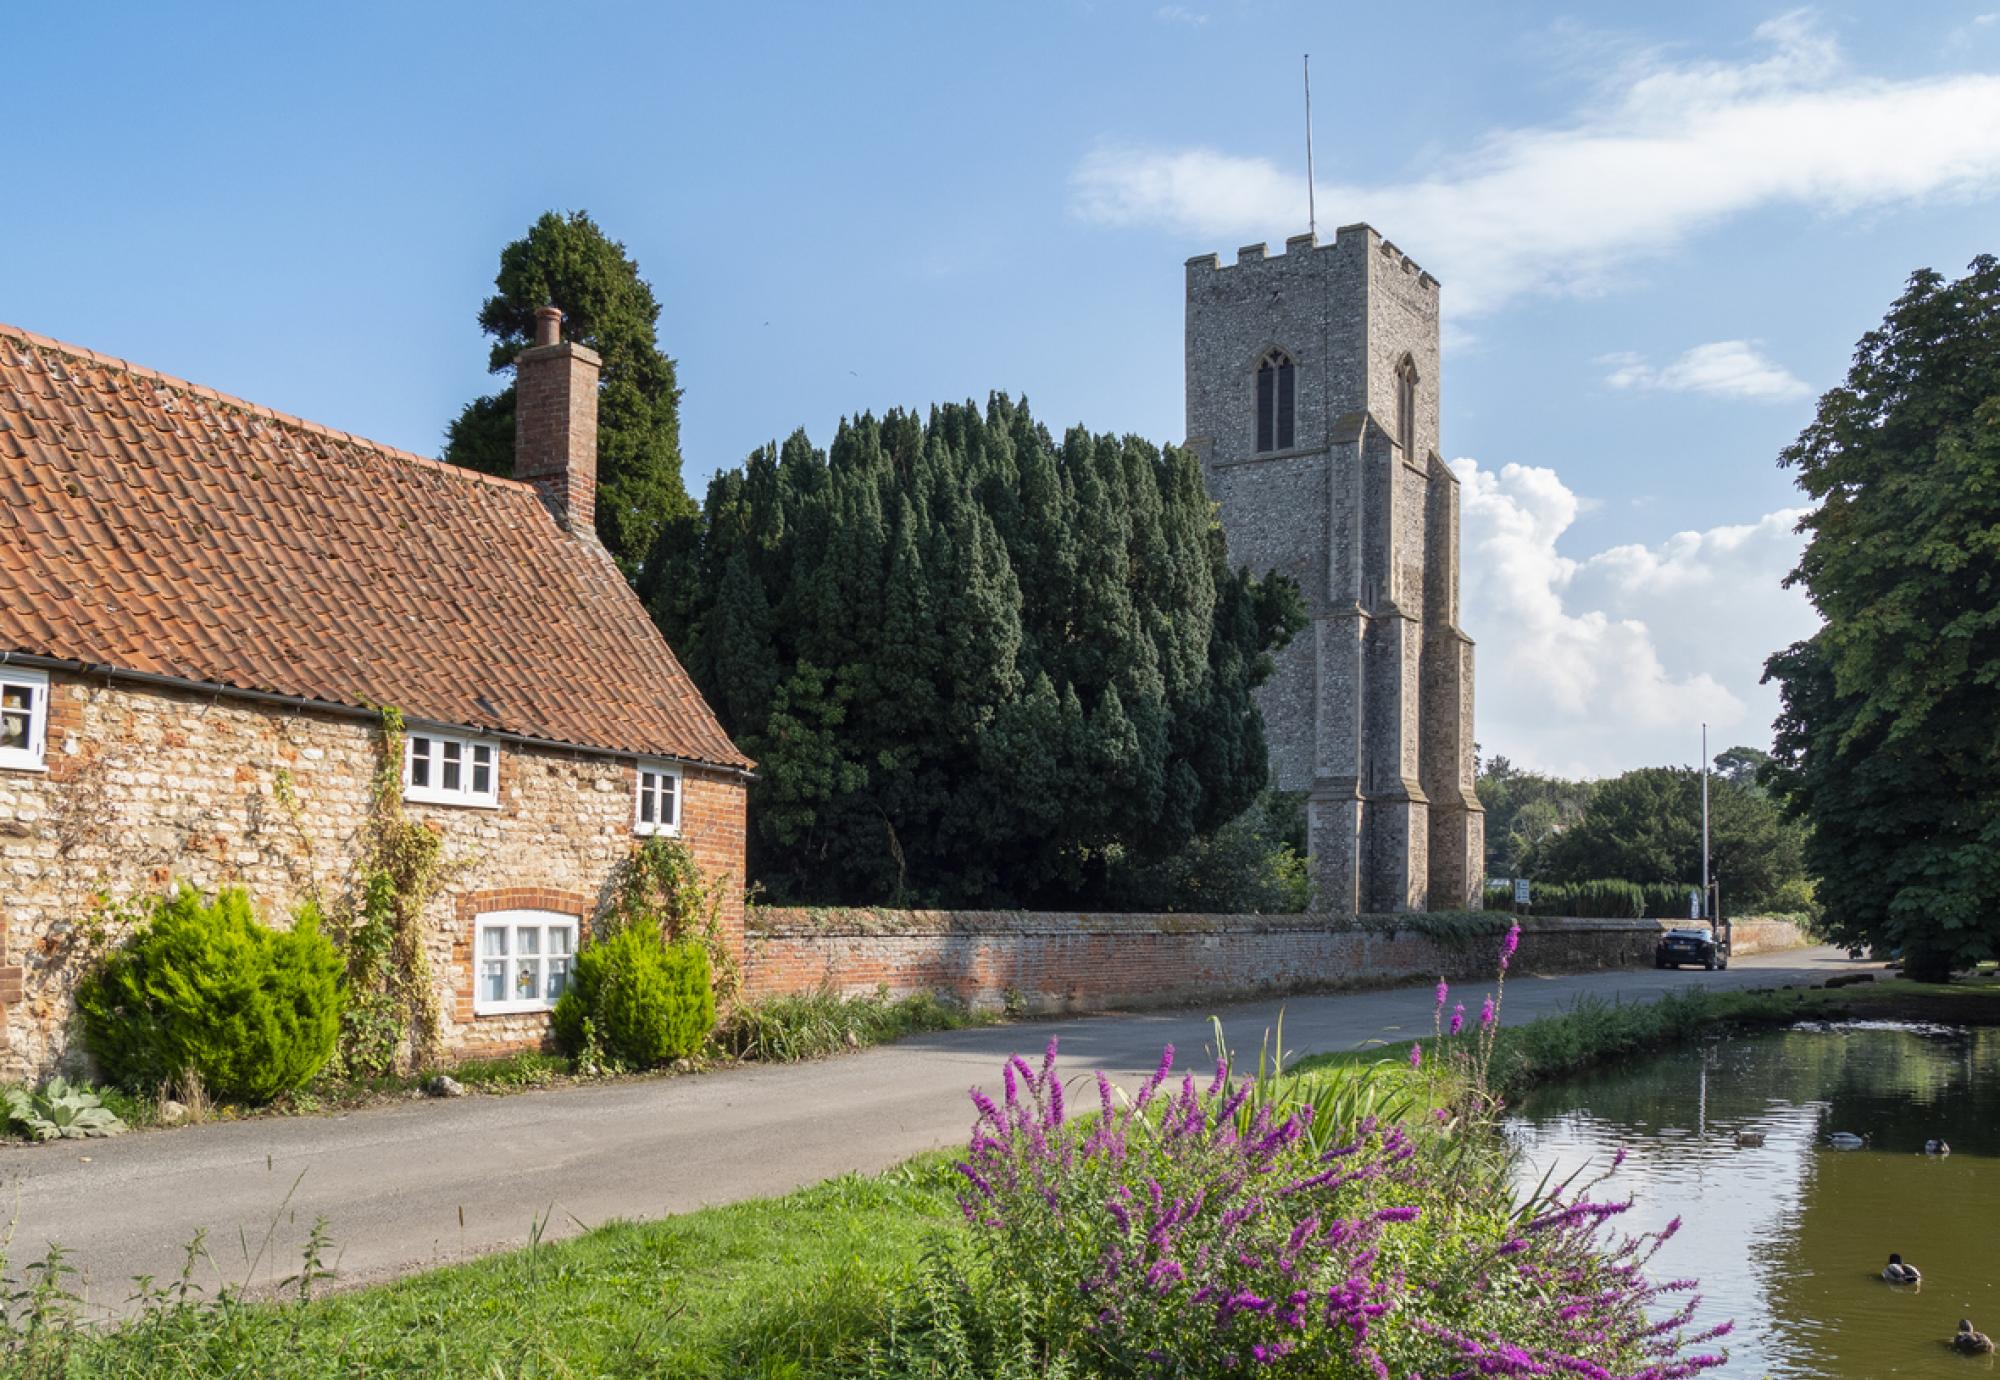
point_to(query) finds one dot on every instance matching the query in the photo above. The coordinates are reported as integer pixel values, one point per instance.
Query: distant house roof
(150, 525)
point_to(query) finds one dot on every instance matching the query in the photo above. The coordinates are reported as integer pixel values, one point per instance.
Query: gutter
(297, 702)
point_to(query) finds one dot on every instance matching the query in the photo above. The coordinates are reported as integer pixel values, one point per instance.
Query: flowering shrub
(1167, 1235)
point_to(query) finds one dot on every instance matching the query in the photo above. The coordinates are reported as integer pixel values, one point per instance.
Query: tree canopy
(1524, 808)
(569, 261)
(976, 666)
(1645, 826)
(1889, 740)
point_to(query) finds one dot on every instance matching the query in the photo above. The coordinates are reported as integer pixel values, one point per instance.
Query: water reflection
(1789, 1236)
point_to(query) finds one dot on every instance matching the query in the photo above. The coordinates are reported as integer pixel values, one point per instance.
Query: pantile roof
(153, 526)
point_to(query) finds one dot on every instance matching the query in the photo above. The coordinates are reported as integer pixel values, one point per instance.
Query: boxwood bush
(647, 1001)
(202, 987)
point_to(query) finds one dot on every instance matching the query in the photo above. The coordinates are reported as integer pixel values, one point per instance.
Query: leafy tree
(1523, 810)
(1740, 765)
(977, 665)
(607, 306)
(1645, 827)
(1889, 740)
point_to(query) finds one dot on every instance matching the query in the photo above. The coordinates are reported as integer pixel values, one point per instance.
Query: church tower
(1312, 398)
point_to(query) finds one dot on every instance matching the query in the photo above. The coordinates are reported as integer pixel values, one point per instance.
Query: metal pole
(1706, 911)
(1312, 211)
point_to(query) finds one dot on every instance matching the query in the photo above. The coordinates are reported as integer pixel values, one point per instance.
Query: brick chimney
(555, 422)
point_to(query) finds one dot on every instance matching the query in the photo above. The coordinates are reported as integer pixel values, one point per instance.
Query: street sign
(1520, 891)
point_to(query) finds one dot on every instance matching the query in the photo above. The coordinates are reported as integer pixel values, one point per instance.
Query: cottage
(205, 608)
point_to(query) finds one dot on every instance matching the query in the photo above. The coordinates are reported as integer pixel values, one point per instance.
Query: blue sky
(1659, 238)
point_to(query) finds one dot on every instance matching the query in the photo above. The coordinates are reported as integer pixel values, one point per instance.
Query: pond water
(1789, 1237)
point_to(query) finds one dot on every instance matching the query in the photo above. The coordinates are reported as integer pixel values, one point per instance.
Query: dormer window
(446, 769)
(1277, 402)
(1406, 408)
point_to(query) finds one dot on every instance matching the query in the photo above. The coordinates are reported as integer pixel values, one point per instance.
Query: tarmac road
(423, 1183)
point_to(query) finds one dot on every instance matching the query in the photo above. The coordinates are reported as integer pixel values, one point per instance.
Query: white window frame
(547, 925)
(32, 755)
(660, 772)
(441, 748)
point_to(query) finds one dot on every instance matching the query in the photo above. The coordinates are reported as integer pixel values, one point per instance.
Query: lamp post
(1707, 911)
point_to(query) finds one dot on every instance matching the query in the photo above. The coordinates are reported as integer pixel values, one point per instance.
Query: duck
(1846, 1140)
(1750, 1138)
(1896, 1272)
(1971, 1342)
(1934, 1146)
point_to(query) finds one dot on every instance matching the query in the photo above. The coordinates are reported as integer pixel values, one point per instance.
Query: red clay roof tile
(148, 524)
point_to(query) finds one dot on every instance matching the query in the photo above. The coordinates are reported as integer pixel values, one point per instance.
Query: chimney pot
(548, 324)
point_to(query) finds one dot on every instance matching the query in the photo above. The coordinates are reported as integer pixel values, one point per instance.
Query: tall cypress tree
(606, 305)
(976, 666)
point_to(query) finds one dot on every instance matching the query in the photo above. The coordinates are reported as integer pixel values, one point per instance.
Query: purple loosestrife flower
(1416, 1056)
(1509, 944)
(1458, 1018)
(1486, 1014)
(1444, 991)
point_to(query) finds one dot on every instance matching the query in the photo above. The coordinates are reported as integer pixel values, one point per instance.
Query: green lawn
(766, 1288)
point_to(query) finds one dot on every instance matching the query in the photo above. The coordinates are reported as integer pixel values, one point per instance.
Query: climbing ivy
(392, 1009)
(661, 885)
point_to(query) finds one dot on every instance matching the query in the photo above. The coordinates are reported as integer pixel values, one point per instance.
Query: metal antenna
(1312, 212)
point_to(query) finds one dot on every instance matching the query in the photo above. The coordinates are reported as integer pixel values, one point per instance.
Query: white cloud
(1591, 665)
(1724, 368)
(1180, 14)
(1570, 206)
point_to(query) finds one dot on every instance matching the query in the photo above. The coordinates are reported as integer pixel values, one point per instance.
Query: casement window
(24, 718)
(1406, 408)
(521, 960)
(443, 769)
(658, 807)
(1277, 402)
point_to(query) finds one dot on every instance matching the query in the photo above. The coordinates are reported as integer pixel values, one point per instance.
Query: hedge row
(1603, 899)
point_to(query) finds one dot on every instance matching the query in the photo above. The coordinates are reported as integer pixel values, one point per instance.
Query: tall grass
(789, 1029)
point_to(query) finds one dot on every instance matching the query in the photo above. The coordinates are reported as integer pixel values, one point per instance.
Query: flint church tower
(1312, 397)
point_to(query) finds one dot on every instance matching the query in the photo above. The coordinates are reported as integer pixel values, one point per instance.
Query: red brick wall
(1075, 962)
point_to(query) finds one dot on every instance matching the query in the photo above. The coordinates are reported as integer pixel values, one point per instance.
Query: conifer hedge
(976, 666)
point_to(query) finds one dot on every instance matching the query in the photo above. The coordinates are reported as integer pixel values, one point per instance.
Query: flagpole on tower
(1312, 212)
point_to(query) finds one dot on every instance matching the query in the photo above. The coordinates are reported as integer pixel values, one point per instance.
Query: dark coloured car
(1690, 946)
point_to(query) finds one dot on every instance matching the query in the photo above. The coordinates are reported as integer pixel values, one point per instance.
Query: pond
(1789, 1237)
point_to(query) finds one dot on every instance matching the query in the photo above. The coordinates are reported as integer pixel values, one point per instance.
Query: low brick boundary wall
(1055, 962)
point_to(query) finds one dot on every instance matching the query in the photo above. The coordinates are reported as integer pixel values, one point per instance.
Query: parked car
(1680, 946)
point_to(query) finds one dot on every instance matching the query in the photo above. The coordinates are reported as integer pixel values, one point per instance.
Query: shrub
(1167, 1236)
(647, 1001)
(811, 1025)
(203, 987)
(60, 1111)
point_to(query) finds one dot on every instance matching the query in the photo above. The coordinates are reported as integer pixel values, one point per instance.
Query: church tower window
(1406, 408)
(1277, 398)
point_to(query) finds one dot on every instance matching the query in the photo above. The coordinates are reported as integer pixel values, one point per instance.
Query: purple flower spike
(1486, 1014)
(1458, 1018)
(1444, 991)
(1416, 1056)
(1509, 944)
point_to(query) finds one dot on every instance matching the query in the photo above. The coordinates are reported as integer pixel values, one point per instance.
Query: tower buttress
(1334, 349)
